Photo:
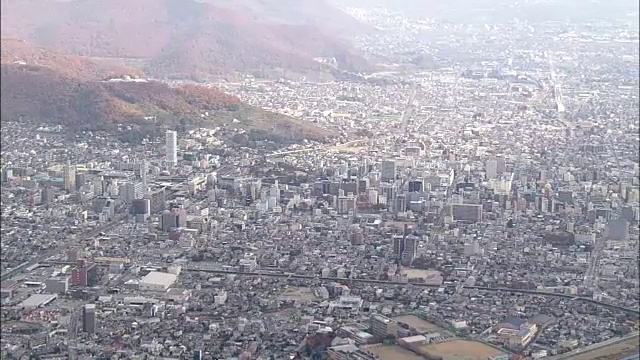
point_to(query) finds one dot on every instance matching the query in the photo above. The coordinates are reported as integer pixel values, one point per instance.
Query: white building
(157, 281)
(171, 147)
(491, 169)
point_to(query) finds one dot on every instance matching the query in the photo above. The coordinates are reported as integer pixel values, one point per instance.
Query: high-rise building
(171, 147)
(388, 170)
(84, 274)
(501, 165)
(491, 169)
(400, 203)
(174, 218)
(69, 174)
(416, 185)
(141, 207)
(405, 248)
(158, 200)
(467, 212)
(144, 169)
(89, 318)
(130, 191)
(6, 175)
(81, 178)
(47, 195)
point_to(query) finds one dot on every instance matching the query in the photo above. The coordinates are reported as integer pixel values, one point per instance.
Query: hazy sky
(505, 10)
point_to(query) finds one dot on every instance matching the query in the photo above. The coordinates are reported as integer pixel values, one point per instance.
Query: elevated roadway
(408, 111)
(383, 282)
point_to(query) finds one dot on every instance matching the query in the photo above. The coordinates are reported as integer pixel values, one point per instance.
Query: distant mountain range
(189, 39)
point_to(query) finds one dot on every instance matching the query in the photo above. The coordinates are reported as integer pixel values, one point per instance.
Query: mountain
(179, 38)
(15, 51)
(40, 94)
(320, 13)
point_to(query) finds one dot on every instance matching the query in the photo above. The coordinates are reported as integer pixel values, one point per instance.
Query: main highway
(408, 110)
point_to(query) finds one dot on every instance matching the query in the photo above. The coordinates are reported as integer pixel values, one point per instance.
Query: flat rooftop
(159, 278)
(37, 300)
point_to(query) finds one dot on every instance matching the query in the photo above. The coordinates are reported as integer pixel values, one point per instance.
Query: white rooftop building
(157, 281)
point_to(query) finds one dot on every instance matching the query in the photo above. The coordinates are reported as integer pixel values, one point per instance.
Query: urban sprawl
(486, 209)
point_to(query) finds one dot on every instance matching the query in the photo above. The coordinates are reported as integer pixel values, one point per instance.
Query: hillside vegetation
(16, 51)
(35, 93)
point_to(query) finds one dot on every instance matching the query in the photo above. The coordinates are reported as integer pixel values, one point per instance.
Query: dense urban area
(482, 204)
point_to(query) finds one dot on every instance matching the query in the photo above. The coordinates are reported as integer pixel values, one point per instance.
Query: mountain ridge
(177, 38)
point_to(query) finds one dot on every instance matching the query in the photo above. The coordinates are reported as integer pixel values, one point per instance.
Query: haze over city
(320, 179)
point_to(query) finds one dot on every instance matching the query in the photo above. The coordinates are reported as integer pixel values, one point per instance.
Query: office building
(84, 274)
(171, 147)
(6, 175)
(141, 207)
(81, 179)
(501, 165)
(466, 212)
(69, 177)
(416, 185)
(405, 248)
(491, 169)
(400, 203)
(143, 169)
(89, 318)
(158, 200)
(346, 205)
(130, 191)
(174, 218)
(58, 285)
(47, 195)
(388, 170)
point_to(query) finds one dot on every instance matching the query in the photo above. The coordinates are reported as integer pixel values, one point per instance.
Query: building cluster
(485, 209)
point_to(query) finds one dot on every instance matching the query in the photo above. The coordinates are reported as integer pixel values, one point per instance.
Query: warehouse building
(157, 281)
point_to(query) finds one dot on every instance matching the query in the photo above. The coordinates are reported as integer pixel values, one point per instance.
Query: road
(408, 111)
(382, 282)
(46, 255)
(589, 277)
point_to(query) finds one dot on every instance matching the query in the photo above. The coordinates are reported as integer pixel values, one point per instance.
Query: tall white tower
(171, 147)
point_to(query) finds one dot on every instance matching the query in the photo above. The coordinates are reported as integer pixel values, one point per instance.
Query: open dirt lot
(420, 325)
(418, 273)
(393, 352)
(460, 350)
(297, 294)
(611, 352)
